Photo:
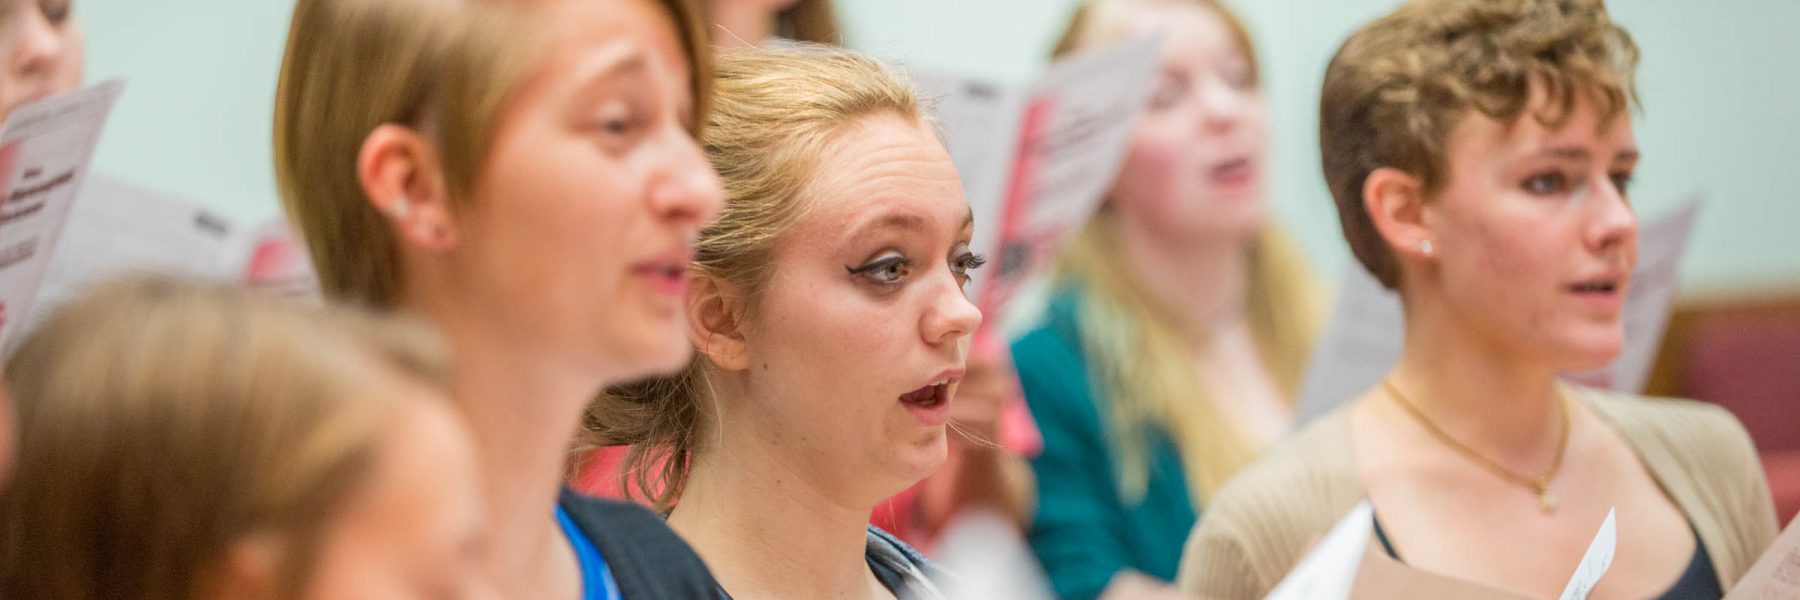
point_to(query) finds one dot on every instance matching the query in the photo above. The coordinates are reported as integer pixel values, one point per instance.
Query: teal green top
(1084, 532)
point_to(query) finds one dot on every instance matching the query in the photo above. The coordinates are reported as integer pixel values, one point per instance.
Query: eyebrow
(906, 221)
(597, 72)
(1576, 153)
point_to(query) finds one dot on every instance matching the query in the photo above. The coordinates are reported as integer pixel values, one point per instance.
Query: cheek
(1502, 270)
(74, 58)
(1149, 182)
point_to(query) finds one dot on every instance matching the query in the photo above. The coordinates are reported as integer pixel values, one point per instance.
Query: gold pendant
(1546, 501)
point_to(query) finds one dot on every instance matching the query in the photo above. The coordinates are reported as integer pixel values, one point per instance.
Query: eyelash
(1621, 181)
(966, 262)
(617, 132)
(893, 269)
(889, 262)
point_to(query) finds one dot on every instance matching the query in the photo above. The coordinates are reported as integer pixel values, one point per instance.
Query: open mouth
(930, 396)
(1596, 286)
(1236, 171)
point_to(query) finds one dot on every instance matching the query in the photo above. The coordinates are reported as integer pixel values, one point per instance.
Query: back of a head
(775, 114)
(161, 421)
(1398, 85)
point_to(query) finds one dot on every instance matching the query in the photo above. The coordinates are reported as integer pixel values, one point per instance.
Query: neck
(769, 530)
(523, 410)
(1201, 282)
(1489, 398)
(742, 25)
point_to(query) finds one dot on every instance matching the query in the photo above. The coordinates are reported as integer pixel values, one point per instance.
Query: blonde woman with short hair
(828, 308)
(1480, 154)
(524, 175)
(184, 440)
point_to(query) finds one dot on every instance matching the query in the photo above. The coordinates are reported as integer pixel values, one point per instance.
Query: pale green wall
(1719, 84)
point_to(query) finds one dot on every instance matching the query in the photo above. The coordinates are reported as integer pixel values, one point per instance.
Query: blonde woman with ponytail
(1180, 319)
(827, 305)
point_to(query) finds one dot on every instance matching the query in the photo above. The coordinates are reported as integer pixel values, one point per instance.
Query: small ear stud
(399, 208)
(1425, 247)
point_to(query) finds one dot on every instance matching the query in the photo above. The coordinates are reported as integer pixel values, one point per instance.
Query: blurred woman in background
(181, 440)
(1180, 319)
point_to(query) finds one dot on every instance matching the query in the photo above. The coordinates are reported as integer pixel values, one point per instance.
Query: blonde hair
(1398, 86)
(443, 67)
(1145, 370)
(164, 421)
(777, 111)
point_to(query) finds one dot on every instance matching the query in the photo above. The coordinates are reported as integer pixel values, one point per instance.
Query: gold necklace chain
(1539, 484)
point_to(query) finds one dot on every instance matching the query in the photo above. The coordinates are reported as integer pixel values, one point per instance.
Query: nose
(37, 44)
(687, 190)
(951, 316)
(1221, 106)
(1614, 224)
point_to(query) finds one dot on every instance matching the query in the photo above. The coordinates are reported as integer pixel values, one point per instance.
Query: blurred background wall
(1720, 84)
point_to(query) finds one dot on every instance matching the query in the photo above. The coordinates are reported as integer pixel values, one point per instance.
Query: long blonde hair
(443, 67)
(776, 113)
(162, 422)
(1146, 371)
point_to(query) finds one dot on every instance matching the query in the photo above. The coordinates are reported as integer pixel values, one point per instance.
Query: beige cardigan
(1259, 524)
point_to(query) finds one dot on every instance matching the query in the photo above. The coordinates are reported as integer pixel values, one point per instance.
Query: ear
(714, 325)
(402, 177)
(250, 570)
(1395, 201)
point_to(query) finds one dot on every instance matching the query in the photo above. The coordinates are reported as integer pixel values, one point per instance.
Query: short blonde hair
(1400, 84)
(776, 113)
(444, 67)
(164, 421)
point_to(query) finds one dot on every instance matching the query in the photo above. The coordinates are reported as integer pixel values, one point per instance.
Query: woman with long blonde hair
(832, 328)
(1179, 321)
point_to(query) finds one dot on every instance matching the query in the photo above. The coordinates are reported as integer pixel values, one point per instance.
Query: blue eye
(888, 270)
(1545, 184)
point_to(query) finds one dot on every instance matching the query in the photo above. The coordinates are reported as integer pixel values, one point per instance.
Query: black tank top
(1697, 582)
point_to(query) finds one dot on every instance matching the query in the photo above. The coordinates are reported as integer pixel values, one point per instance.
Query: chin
(662, 355)
(918, 461)
(1593, 352)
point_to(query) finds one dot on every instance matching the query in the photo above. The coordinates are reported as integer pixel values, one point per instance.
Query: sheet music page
(1036, 162)
(1775, 576)
(44, 155)
(1328, 572)
(118, 228)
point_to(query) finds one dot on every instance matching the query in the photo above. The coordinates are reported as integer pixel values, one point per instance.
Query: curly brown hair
(1399, 85)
